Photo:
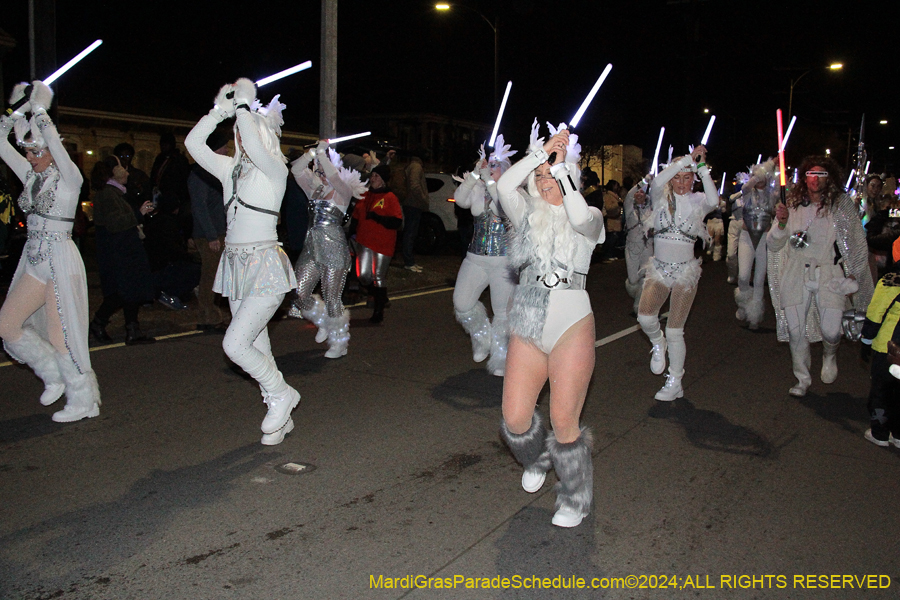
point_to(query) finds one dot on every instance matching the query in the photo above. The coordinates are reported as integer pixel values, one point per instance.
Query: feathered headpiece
(573, 150)
(351, 177)
(765, 170)
(502, 152)
(271, 112)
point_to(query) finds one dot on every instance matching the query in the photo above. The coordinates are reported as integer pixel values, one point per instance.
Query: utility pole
(328, 71)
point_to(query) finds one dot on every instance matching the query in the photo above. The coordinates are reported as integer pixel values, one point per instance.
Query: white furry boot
(477, 325)
(801, 361)
(496, 364)
(742, 297)
(677, 351)
(575, 471)
(338, 335)
(829, 362)
(36, 352)
(650, 326)
(82, 392)
(317, 315)
(756, 310)
(529, 450)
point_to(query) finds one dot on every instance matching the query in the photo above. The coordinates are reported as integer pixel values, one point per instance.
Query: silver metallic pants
(309, 273)
(371, 267)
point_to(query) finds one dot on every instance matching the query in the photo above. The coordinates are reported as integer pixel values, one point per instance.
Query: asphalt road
(168, 494)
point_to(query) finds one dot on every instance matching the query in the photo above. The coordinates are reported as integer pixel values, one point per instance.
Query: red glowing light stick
(781, 153)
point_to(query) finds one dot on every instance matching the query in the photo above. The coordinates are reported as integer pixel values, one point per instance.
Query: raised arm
(469, 192)
(586, 220)
(304, 176)
(10, 155)
(511, 199)
(195, 142)
(658, 189)
(251, 141)
(342, 191)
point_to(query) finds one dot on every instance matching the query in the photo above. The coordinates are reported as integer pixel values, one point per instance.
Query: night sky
(168, 58)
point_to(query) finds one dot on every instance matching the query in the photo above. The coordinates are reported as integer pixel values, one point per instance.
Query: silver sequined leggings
(309, 273)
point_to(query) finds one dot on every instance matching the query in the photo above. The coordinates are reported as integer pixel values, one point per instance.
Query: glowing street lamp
(445, 7)
(794, 82)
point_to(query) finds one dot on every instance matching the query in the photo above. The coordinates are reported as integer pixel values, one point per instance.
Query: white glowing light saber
(590, 96)
(722, 187)
(333, 141)
(759, 159)
(282, 74)
(705, 139)
(72, 62)
(849, 179)
(868, 162)
(788, 133)
(500, 114)
(655, 170)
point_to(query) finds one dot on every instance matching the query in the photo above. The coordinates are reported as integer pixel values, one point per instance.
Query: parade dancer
(817, 253)
(486, 263)
(758, 198)
(44, 320)
(376, 220)
(638, 242)
(330, 188)
(551, 322)
(254, 272)
(677, 222)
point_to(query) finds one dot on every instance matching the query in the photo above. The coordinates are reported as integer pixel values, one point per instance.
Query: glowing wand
(500, 114)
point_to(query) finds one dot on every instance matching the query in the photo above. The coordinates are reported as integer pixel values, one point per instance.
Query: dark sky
(168, 58)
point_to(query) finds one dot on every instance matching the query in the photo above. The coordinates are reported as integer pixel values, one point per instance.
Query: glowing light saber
(722, 187)
(500, 114)
(868, 162)
(282, 74)
(337, 140)
(788, 134)
(590, 96)
(705, 139)
(781, 154)
(759, 159)
(849, 179)
(655, 170)
(59, 72)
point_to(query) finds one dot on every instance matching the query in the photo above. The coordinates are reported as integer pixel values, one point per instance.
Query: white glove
(224, 103)
(17, 94)
(322, 146)
(41, 96)
(244, 92)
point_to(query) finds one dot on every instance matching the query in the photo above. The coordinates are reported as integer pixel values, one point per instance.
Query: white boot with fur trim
(317, 316)
(82, 393)
(575, 469)
(338, 335)
(477, 325)
(36, 352)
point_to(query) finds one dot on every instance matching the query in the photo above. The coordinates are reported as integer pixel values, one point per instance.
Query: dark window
(434, 184)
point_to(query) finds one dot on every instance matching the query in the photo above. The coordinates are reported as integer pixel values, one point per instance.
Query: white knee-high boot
(650, 326)
(677, 351)
(801, 361)
(36, 352)
(829, 362)
(338, 335)
(496, 364)
(82, 392)
(477, 325)
(317, 315)
(742, 297)
(575, 469)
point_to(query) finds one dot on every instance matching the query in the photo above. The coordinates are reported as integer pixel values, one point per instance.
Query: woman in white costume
(330, 188)
(638, 242)
(254, 272)
(486, 263)
(44, 320)
(758, 200)
(818, 253)
(551, 322)
(677, 223)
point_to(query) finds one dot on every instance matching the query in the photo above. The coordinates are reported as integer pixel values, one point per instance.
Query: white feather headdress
(272, 113)
(573, 150)
(351, 177)
(502, 152)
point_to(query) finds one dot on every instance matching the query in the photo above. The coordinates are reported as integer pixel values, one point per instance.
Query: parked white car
(441, 215)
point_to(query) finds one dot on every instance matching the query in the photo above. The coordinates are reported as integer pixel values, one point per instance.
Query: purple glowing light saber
(655, 170)
(282, 74)
(705, 139)
(500, 114)
(59, 72)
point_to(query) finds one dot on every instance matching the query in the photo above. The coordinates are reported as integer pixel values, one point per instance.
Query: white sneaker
(76, 413)
(273, 439)
(799, 390)
(533, 481)
(671, 390)
(658, 357)
(883, 443)
(52, 393)
(279, 410)
(566, 517)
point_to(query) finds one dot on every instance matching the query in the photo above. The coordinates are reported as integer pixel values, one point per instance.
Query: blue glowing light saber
(655, 170)
(72, 62)
(500, 114)
(282, 74)
(590, 96)
(705, 139)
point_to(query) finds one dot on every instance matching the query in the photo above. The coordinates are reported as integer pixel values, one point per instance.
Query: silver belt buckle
(555, 283)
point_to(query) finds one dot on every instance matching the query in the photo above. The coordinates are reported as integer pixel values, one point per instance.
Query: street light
(794, 82)
(496, 30)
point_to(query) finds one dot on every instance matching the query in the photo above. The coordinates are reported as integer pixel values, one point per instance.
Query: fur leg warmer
(338, 332)
(742, 298)
(496, 364)
(529, 448)
(575, 470)
(477, 325)
(36, 352)
(756, 310)
(82, 393)
(317, 315)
